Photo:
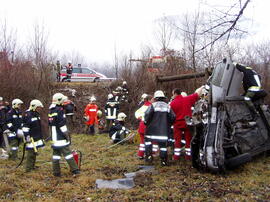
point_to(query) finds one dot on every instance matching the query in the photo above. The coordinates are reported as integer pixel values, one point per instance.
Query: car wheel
(238, 160)
(64, 80)
(96, 80)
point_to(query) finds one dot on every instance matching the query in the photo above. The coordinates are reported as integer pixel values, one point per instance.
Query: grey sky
(95, 27)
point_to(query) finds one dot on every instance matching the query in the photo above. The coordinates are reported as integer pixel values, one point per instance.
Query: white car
(83, 74)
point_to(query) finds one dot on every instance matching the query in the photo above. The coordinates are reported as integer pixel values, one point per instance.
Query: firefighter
(3, 112)
(251, 85)
(111, 111)
(90, 113)
(117, 94)
(70, 108)
(101, 122)
(14, 126)
(158, 120)
(33, 133)
(58, 70)
(118, 130)
(139, 114)
(182, 107)
(124, 92)
(69, 69)
(60, 136)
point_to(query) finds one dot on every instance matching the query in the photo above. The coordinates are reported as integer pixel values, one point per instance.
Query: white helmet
(110, 96)
(118, 88)
(121, 116)
(69, 62)
(144, 96)
(16, 102)
(159, 93)
(34, 104)
(184, 94)
(93, 99)
(59, 98)
(124, 83)
(1, 98)
(99, 113)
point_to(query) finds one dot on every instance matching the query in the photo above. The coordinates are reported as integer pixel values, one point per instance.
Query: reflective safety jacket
(139, 114)
(251, 80)
(91, 112)
(14, 122)
(181, 106)
(158, 120)
(32, 128)
(118, 131)
(57, 123)
(111, 109)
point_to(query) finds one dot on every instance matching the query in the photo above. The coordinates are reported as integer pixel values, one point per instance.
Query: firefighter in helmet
(124, 92)
(158, 119)
(60, 135)
(118, 130)
(90, 114)
(33, 133)
(14, 127)
(139, 114)
(111, 111)
(70, 108)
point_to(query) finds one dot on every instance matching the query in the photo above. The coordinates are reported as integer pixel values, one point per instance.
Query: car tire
(64, 80)
(238, 160)
(96, 80)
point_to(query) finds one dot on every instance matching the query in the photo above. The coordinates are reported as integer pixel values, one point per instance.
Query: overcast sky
(95, 27)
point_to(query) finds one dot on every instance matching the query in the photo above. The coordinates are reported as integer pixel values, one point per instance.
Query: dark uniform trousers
(30, 160)
(66, 152)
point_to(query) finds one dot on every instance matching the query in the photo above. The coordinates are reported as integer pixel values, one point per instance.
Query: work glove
(199, 91)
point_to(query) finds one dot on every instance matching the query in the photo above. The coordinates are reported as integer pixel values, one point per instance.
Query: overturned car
(226, 133)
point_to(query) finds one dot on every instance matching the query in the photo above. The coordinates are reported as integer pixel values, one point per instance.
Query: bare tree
(8, 39)
(163, 34)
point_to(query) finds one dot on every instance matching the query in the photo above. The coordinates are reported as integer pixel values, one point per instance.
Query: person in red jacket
(181, 106)
(139, 114)
(90, 113)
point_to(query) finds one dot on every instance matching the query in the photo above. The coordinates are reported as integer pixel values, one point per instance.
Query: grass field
(178, 182)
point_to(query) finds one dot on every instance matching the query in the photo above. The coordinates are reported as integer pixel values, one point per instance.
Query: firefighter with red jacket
(60, 136)
(33, 133)
(111, 111)
(90, 114)
(181, 105)
(139, 114)
(158, 120)
(14, 126)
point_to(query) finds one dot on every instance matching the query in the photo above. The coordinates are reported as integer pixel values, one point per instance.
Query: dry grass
(174, 183)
